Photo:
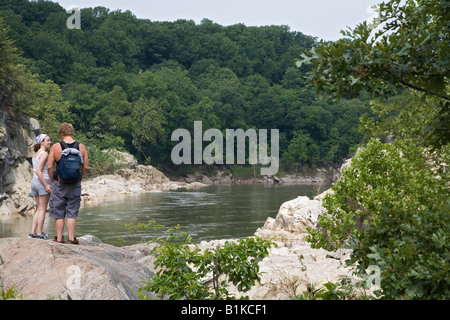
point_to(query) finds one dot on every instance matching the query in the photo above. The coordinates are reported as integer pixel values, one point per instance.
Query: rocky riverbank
(135, 178)
(293, 267)
(40, 269)
(132, 178)
(97, 271)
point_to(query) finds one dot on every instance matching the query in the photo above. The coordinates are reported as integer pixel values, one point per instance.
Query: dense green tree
(408, 49)
(391, 207)
(113, 117)
(8, 55)
(44, 100)
(391, 204)
(148, 126)
(226, 77)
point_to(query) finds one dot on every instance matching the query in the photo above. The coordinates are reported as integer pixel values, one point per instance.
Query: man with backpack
(72, 163)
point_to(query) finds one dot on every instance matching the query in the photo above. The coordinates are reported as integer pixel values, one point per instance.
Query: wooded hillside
(128, 83)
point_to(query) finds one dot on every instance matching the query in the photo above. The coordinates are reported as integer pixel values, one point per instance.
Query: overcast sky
(319, 18)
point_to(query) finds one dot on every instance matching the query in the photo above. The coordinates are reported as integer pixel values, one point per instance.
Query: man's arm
(53, 157)
(85, 159)
(51, 162)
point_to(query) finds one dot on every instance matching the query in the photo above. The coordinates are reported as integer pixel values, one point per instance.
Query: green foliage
(128, 83)
(133, 226)
(391, 204)
(149, 120)
(391, 207)
(11, 293)
(411, 248)
(183, 267)
(44, 101)
(408, 49)
(8, 55)
(300, 148)
(343, 289)
(399, 176)
(238, 171)
(402, 117)
(100, 162)
(11, 72)
(331, 291)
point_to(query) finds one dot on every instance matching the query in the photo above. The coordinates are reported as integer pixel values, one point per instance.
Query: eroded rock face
(44, 269)
(292, 268)
(293, 218)
(17, 134)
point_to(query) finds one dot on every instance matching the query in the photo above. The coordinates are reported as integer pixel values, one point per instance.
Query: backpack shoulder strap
(63, 145)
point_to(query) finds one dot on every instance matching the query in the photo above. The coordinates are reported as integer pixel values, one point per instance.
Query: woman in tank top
(40, 185)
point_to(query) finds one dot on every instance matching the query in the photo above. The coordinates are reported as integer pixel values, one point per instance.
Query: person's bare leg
(59, 229)
(71, 228)
(43, 201)
(35, 217)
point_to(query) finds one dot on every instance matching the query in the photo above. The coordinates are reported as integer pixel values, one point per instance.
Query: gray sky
(319, 18)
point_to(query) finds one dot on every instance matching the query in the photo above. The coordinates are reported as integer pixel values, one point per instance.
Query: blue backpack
(69, 166)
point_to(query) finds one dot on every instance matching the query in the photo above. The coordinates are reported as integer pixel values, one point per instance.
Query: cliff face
(17, 135)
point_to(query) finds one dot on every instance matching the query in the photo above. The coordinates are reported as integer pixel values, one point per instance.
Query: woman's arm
(42, 160)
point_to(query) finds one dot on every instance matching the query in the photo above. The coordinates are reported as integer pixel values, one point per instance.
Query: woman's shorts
(37, 188)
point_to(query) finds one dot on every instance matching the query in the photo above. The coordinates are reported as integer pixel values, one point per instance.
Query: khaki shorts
(65, 200)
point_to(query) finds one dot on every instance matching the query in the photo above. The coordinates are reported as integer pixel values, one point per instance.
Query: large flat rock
(44, 269)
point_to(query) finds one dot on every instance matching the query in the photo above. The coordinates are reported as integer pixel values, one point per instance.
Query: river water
(213, 212)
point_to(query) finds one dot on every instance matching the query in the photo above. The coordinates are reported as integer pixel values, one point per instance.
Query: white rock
(295, 215)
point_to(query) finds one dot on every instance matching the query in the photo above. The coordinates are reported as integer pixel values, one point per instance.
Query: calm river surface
(214, 212)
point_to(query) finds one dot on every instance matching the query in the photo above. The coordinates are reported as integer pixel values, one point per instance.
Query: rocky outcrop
(292, 268)
(293, 218)
(295, 215)
(92, 270)
(17, 134)
(129, 179)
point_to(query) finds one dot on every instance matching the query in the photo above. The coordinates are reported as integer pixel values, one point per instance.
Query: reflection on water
(214, 212)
